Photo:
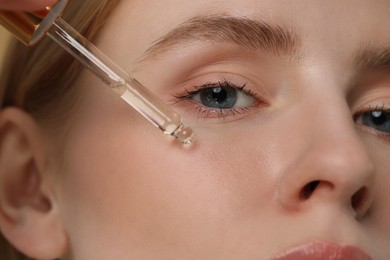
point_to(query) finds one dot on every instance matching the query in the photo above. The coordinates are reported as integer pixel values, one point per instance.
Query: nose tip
(339, 175)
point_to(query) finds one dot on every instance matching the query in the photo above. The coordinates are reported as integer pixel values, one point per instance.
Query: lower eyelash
(205, 112)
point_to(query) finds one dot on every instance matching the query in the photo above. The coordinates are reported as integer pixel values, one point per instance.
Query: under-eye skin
(376, 120)
(219, 99)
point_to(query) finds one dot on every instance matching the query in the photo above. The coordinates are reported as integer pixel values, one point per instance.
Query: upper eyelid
(223, 83)
(369, 100)
(372, 109)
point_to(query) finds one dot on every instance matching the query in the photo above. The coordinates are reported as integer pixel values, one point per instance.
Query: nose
(332, 165)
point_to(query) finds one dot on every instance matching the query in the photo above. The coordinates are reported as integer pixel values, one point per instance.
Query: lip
(324, 251)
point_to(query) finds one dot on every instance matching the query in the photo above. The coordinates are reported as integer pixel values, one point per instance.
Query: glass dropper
(31, 27)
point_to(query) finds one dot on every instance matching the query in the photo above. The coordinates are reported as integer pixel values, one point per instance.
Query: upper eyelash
(378, 108)
(370, 108)
(225, 83)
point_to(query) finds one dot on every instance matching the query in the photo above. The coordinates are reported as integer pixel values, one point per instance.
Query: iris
(219, 97)
(377, 119)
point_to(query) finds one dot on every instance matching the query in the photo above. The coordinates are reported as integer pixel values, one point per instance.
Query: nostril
(308, 190)
(357, 201)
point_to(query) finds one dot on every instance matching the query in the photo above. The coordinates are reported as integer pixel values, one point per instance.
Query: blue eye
(222, 95)
(220, 99)
(377, 119)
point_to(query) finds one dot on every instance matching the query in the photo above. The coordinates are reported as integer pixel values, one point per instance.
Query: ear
(29, 216)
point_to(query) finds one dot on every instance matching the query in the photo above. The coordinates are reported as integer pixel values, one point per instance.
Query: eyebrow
(373, 59)
(242, 31)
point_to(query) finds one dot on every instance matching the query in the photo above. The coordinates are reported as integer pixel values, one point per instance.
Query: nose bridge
(334, 138)
(333, 163)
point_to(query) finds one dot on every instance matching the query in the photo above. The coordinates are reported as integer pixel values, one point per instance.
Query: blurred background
(4, 37)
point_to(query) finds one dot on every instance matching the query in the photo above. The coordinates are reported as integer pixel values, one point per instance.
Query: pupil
(219, 97)
(378, 120)
(378, 117)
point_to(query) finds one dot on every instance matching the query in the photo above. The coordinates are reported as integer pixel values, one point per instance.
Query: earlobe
(28, 212)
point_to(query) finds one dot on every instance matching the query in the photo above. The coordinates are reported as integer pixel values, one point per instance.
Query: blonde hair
(39, 80)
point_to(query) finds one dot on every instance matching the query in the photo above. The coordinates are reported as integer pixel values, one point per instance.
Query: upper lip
(323, 251)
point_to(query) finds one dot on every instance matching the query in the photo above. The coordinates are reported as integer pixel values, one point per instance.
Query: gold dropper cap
(31, 27)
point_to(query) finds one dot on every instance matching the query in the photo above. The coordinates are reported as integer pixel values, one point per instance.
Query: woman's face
(289, 102)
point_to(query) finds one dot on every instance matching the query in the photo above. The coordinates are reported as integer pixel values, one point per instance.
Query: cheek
(378, 222)
(381, 207)
(125, 180)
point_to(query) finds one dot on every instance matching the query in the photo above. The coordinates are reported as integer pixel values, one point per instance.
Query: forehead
(336, 28)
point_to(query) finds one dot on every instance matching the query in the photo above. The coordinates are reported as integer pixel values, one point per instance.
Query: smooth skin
(296, 166)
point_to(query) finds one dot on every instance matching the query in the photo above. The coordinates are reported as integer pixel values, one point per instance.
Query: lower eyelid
(195, 109)
(375, 133)
(223, 115)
